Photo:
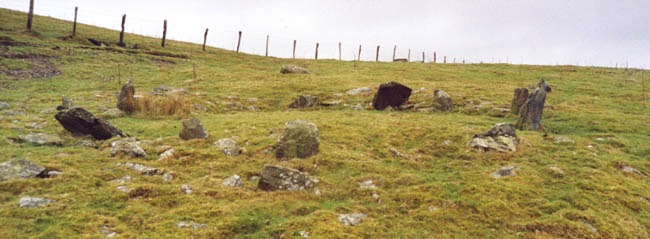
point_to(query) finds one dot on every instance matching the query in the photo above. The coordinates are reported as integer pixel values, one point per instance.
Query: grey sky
(576, 32)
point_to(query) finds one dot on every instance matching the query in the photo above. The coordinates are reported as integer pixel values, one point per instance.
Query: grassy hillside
(438, 190)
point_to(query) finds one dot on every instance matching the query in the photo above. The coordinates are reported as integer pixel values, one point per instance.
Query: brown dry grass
(150, 105)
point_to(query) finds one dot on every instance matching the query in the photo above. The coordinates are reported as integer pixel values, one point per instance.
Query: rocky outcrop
(299, 139)
(304, 101)
(520, 97)
(80, 121)
(193, 129)
(442, 101)
(501, 138)
(281, 178)
(19, 169)
(531, 111)
(291, 69)
(126, 100)
(391, 94)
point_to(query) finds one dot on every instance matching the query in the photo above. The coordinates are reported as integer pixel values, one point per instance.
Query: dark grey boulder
(531, 112)
(520, 97)
(19, 169)
(299, 139)
(193, 129)
(391, 94)
(304, 101)
(80, 121)
(281, 178)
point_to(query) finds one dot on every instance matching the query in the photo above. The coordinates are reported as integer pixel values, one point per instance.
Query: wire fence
(222, 36)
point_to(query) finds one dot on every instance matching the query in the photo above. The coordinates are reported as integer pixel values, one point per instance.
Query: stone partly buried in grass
(19, 169)
(291, 69)
(501, 138)
(299, 139)
(281, 178)
(442, 101)
(304, 101)
(32, 202)
(391, 94)
(128, 147)
(193, 129)
(41, 139)
(80, 121)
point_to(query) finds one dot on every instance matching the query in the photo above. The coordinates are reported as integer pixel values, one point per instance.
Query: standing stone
(391, 94)
(80, 121)
(19, 169)
(442, 101)
(305, 101)
(193, 129)
(126, 100)
(299, 139)
(66, 102)
(281, 178)
(521, 95)
(531, 112)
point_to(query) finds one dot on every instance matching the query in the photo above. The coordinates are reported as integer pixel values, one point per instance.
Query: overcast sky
(575, 32)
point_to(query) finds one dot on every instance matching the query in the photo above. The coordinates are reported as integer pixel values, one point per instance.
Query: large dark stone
(80, 121)
(281, 178)
(126, 100)
(521, 95)
(391, 94)
(531, 112)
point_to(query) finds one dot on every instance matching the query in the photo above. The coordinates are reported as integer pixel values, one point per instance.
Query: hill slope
(439, 189)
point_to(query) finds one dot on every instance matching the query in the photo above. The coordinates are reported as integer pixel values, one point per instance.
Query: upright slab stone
(531, 112)
(391, 94)
(281, 178)
(193, 129)
(520, 97)
(80, 121)
(126, 100)
(299, 139)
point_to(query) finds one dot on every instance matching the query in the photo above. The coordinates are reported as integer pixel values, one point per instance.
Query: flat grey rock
(19, 169)
(32, 202)
(352, 219)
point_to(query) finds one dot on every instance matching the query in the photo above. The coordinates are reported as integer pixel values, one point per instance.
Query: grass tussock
(175, 104)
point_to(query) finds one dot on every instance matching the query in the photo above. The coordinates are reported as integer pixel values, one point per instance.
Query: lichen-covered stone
(304, 101)
(299, 139)
(502, 138)
(126, 99)
(282, 178)
(193, 129)
(19, 169)
(442, 101)
(531, 112)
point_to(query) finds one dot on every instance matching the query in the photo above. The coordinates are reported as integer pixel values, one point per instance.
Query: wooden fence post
(339, 51)
(359, 56)
(121, 43)
(205, 38)
(444, 60)
(454, 60)
(164, 33)
(409, 56)
(434, 57)
(267, 45)
(422, 57)
(377, 57)
(463, 62)
(394, 50)
(30, 15)
(74, 25)
(238, 41)
(294, 49)
(316, 56)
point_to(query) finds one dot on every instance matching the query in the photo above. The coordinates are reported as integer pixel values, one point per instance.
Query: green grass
(586, 103)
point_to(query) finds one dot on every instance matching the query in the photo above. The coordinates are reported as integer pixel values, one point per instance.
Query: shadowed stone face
(80, 121)
(391, 94)
(531, 111)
